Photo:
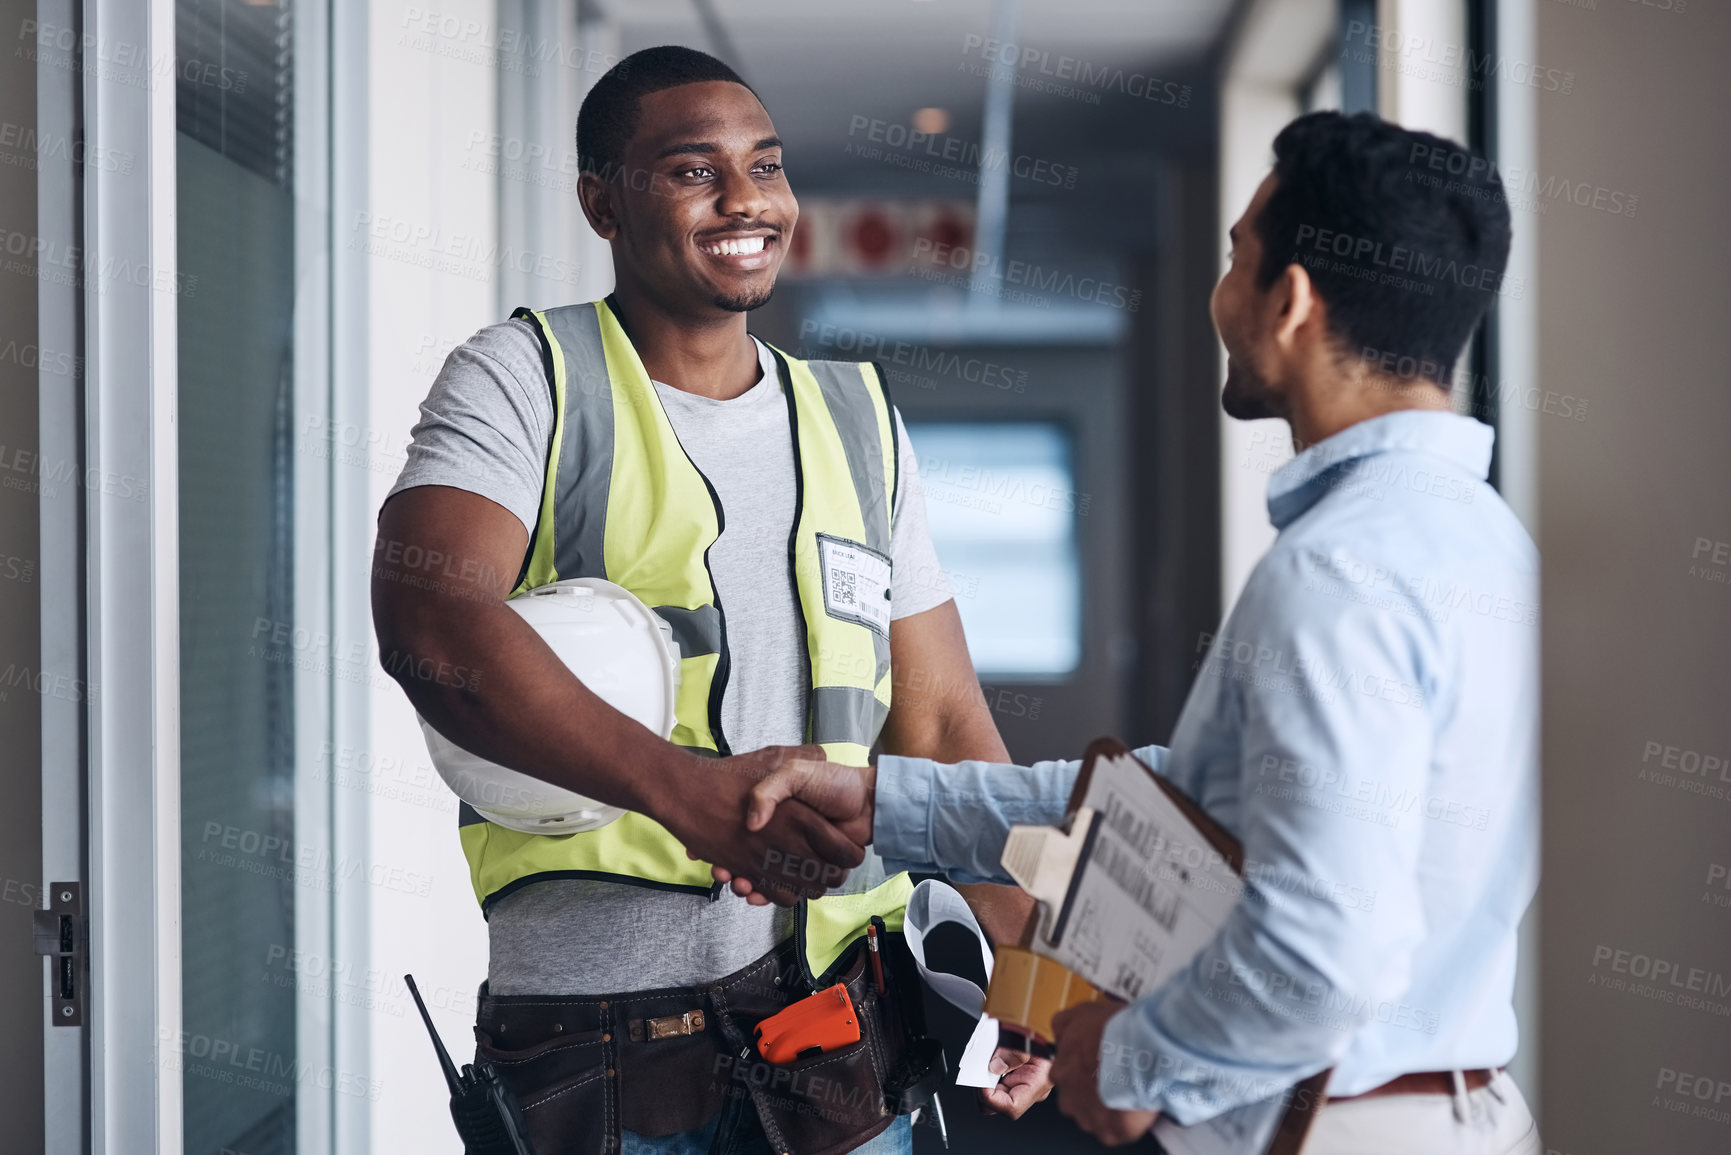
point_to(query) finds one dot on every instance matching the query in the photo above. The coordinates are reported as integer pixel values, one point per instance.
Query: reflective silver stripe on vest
(586, 452)
(846, 714)
(856, 418)
(697, 632)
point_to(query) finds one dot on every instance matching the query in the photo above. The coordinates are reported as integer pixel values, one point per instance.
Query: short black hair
(608, 116)
(1405, 235)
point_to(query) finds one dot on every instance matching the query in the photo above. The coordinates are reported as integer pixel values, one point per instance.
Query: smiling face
(1246, 315)
(701, 214)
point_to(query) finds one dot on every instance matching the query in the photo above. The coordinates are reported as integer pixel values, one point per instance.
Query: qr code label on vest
(856, 583)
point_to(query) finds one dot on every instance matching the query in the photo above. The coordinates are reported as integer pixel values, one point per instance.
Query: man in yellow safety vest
(768, 509)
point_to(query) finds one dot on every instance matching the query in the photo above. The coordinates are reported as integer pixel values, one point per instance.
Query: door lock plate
(59, 935)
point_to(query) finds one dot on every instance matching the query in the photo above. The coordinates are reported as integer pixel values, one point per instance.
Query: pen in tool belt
(878, 982)
(877, 962)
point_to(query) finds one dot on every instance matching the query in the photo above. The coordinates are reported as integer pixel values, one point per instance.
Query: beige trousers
(1494, 1120)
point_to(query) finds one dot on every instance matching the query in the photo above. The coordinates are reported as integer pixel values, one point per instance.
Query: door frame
(61, 525)
(131, 629)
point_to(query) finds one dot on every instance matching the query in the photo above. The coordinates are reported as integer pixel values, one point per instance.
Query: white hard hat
(619, 649)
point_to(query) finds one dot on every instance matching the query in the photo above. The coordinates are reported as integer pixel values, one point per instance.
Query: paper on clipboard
(1139, 887)
(1139, 881)
(1151, 892)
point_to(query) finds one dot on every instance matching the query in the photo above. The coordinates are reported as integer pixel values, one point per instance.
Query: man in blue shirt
(1365, 721)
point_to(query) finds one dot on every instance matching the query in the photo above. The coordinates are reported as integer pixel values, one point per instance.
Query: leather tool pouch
(662, 1062)
(835, 1101)
(556, 1057)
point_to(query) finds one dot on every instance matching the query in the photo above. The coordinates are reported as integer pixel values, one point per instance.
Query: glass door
(248, 877)
(239, 873)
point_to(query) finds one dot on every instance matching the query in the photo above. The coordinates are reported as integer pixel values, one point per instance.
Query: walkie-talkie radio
(485, 1113)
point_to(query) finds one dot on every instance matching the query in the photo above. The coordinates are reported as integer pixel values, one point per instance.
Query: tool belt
(659, 1062)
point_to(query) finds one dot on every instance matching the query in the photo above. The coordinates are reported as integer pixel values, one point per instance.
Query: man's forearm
(1003, 911)
(486, 680)
(515, 703)
(965, 731)
(954, 818)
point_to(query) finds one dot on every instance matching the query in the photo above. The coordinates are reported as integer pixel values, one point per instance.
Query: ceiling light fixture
(932, 121)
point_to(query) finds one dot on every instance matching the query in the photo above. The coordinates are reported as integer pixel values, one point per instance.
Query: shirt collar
(1462, 441)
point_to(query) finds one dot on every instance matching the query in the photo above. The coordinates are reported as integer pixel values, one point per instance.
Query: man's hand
(795, 852)
(841, 794)
(1026, 1080)
(1076, 1073)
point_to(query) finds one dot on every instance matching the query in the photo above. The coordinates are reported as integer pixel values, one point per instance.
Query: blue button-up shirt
(1365, 723)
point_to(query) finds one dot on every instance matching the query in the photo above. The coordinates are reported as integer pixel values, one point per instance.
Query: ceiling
(823, 67)
(819, 63)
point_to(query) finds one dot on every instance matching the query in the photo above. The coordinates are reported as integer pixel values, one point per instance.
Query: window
(1002, 503)
(244, 882)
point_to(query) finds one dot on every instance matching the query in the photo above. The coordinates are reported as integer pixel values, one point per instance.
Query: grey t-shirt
(486, 428)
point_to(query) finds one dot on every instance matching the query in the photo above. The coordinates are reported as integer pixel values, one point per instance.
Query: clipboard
(1133, 884)
(1217, 835)
(1128, 889)
(1214, 835)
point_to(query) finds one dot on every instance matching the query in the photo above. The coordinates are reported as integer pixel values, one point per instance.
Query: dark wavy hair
(1405, 235)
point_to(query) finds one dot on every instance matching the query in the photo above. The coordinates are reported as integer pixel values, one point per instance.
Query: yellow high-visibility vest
(623, 501)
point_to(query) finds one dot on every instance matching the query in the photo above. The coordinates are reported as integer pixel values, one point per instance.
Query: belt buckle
(666, 1027)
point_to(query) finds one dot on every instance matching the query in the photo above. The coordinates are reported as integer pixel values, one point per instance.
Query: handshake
(784, 823)
(779, 824)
